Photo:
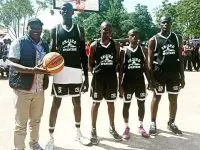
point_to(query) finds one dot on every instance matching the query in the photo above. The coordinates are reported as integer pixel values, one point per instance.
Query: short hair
(166, 17)
(34, 20)
(107, 23)
(135, 29)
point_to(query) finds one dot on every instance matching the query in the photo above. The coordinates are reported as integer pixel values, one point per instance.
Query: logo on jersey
(134, 63)
(95, 94)
(113, 95)
(106, 60)
(168, 49)
(77, 89)
(69, 45)
(128, 96)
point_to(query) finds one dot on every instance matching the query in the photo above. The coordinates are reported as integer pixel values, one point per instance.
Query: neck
(133, 45)
(165, 33)
(68, 23)
(105, 41)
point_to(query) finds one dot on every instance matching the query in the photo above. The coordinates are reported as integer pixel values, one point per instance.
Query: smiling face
(34, 31)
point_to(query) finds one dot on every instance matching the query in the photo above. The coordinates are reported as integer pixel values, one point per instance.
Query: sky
(50, 21)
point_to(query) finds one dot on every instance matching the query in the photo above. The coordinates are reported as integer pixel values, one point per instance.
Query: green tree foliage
(185, 16)
(12, 12)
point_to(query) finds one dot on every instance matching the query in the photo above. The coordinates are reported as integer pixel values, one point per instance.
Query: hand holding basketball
(53, 62)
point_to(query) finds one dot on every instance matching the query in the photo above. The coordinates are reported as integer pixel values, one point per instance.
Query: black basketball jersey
(68, 45)
(134, 61)
(166, 54)
(105, 57)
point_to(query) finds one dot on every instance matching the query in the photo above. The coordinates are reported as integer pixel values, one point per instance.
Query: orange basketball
(53, 62)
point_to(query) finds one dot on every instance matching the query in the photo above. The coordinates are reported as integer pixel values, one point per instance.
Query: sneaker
(116, 136)
(152, 130)
(126, 134)
(50, 144)
(94, 139)
(172, 127)
(142, 131)
(83, 140)
(35, 146)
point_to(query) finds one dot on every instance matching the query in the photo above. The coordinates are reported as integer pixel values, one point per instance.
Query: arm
(146, 69)
(84, 58)
(53, 46)
(181, 59)
(121, 70)
(151, 48)
(117, 47)
(91, 56)
(14, 61)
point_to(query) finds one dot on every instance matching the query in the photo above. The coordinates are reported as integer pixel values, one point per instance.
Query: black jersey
(134, 61)
(166, 55)
(105, 57)
(68, 45)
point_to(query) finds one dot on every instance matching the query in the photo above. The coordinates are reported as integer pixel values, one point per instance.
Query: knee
(56, 103)
(111, 105)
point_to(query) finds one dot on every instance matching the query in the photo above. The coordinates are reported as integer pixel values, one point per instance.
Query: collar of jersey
(164, 36)
(106, 46)
(68, 30)
(131, 49)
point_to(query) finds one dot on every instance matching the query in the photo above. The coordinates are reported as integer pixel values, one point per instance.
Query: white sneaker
(83, 140)
(50, 144)
(35, 146)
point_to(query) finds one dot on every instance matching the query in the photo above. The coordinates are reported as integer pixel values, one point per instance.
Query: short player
(103, 60)
(131, 80)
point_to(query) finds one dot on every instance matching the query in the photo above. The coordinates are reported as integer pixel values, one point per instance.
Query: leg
(141, 109)
(53, 113)
(77, 110)
(154, 109)
(22, 106)
(36, 111)
(154, 106)
(94, 112)
(126, 134)
(111, 113)
(172, 114)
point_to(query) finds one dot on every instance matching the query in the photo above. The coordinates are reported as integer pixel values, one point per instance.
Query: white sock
(153, 123)
(78, 131)
(51, 136)
(140, 123)
(126, 125)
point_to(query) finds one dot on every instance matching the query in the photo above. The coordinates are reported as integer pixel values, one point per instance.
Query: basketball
(53, 62)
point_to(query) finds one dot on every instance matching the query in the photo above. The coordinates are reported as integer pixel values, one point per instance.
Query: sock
(153, 123)
(140, 124)
(171, 120)
(126, 125)
(78, 131)
(51, 136)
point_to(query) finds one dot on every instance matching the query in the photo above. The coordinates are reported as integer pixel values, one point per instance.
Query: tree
(11, 13)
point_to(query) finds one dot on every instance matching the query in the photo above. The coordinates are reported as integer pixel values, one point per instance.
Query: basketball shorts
(169, 80)
(104, 86)
(130, 87)
(61, 90)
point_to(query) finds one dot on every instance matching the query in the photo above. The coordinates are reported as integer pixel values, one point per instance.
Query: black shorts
(168, 79)
(104, 86)
(61, 90)
(131, 87)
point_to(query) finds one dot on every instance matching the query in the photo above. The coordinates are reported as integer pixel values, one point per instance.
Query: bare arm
(91, 56)
(146, 68)
(53, 46)
(22, 69)
(121, 72)
(151, 48)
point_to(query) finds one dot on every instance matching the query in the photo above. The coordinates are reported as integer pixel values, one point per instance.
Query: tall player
(68, 39)
(102, 61)
(131, 80)
(166, 70)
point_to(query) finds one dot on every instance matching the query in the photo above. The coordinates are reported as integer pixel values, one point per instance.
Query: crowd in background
(4, 49)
